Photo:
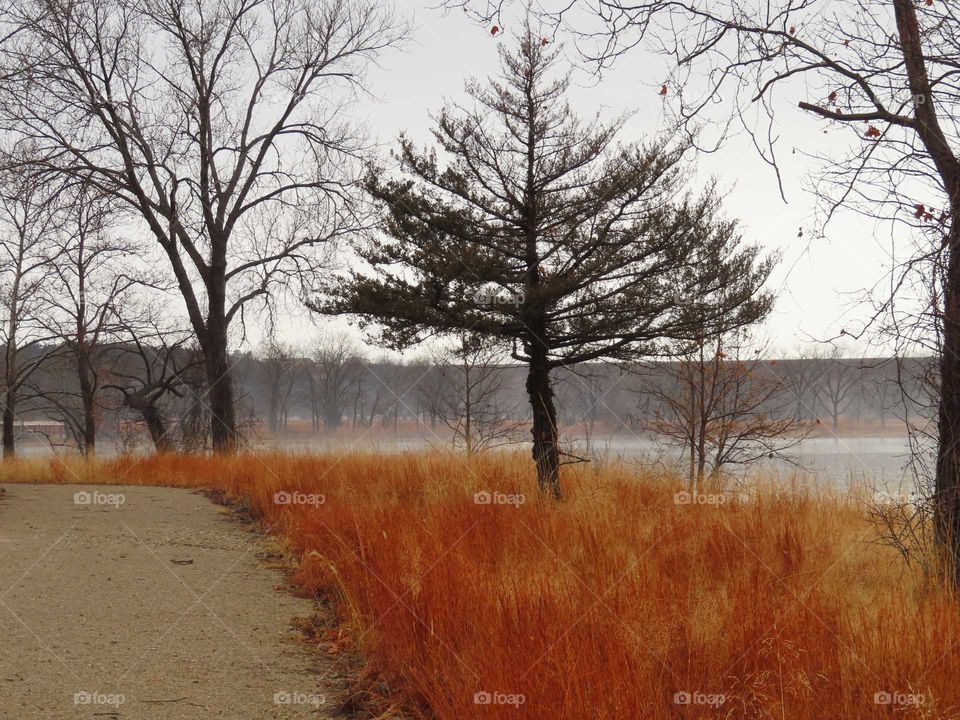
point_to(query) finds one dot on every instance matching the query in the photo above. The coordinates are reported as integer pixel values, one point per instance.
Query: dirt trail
(146, 603)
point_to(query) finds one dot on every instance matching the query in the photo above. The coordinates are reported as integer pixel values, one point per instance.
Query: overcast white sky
(820, 281)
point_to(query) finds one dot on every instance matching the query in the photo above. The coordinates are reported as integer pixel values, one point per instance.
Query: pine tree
(538, 230)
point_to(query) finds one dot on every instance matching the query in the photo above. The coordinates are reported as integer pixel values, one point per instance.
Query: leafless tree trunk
(28, 219)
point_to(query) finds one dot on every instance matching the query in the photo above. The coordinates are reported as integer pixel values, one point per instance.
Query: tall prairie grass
(618, 602)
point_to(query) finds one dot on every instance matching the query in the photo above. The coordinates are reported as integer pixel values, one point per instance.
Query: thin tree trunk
(691, 384)
(274, 410)
(87, 397)
(702, 415)
(9, 420)
(10, 390)
(467, 407)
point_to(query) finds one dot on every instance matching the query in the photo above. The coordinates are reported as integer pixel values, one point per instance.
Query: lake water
(879, 462)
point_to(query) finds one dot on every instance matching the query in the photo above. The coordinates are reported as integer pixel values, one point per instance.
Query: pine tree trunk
(546, 450)
(467, 412)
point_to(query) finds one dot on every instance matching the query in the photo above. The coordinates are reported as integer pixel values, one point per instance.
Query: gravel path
(146, 603)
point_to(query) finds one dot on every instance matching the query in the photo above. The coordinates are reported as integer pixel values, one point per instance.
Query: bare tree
(883, 388)
(429, 389)
(217, 123)
(370, 397)
(334, 370)
(885, 71)
(151, 360)
(279, 366)
(93, 277)
(468, 396)
(29, 217)
(836, 386)
(721, 403)
(799, 375)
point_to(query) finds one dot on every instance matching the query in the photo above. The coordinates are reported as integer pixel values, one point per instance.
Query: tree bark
(87, 398)
(11, 370)
(692, 388)
(223, 424)
(157, 429)
(546, 450)
(947, 484)
(9, 420)
(153, 418)
(467, 411)
(927, 126)
(10, 390)
(702, 419)
(223, 432)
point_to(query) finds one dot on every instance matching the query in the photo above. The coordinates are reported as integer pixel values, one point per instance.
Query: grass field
(466, 597)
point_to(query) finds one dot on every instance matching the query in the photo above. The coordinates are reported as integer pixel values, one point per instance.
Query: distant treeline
(283, 392)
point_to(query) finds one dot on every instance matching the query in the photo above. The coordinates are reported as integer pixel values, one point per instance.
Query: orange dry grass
(616, 603)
